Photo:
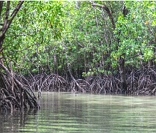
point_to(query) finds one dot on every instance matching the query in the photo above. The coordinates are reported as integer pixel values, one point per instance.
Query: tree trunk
(121, 60)
(122, 74)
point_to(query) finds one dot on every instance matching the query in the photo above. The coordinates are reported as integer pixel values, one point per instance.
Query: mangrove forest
(99, 47)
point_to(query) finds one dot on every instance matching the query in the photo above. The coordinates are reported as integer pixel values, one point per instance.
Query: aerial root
(17, 91)
(14, 93)
(139, 82)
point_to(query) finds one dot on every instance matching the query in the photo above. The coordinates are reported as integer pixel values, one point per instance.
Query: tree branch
(108, 12)
(1, 5)
(6, 15)
(15, 11)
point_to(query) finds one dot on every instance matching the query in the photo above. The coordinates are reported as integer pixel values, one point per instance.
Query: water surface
(85, 113)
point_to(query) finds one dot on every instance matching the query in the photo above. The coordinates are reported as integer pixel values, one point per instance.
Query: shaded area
(12, 122)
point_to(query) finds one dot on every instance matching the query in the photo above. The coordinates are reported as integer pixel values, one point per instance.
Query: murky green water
(85, 113)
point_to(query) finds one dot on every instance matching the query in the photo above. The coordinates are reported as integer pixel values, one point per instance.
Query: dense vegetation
(97, 47)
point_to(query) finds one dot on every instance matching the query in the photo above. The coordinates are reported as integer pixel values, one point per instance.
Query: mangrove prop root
(14, 93)
(139, 82)
(17, 91)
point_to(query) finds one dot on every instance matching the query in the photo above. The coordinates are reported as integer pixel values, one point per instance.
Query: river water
(85, 113)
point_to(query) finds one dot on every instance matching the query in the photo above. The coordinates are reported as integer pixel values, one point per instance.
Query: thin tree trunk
(121, 60)
(122, 74)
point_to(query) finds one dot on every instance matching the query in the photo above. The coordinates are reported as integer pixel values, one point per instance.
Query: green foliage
(134, 32)
(52, 34)
(35, 26)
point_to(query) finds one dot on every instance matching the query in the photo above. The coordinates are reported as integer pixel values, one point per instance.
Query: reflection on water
(85, 113)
